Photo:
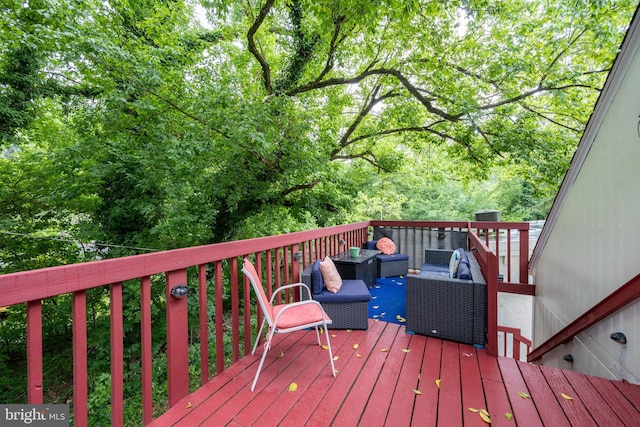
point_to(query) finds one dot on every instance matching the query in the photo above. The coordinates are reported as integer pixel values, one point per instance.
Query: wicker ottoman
(392, 265)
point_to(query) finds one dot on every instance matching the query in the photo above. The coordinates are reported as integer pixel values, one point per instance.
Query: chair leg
(318, 336)
(267, 346)
(333, 368)
(255, 345)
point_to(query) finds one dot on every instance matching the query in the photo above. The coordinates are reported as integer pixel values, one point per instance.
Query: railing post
(177, 339)
(492, 304)
(524, 256)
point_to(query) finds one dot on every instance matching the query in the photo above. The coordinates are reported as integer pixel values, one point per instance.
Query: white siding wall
(594, 246)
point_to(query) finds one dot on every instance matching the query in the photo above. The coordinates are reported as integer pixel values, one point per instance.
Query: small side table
(362, 268)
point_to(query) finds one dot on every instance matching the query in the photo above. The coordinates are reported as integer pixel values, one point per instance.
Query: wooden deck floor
(388, 378)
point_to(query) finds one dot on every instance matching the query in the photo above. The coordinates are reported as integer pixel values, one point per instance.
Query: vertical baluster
(34, 352)
(146, 351)
(80, 387)
(117, 346)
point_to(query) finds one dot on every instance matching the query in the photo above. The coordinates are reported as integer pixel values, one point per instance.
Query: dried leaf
(384, 350)
(335, 357)
(348, 330)
(566, 396)
(358, 355)
(508, 416)
(438, 383)
(417, 391)
(293, 387)
(333, 335)
(375, 307)
(325, 347)
(281, 354)
(406, 350)
(523, 395)
(484, 411)
(189, 405)
(355, 346)
(474, 410)
(485, 417)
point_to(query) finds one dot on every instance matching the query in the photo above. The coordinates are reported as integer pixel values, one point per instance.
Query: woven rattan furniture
(446, 308)
(351, 314)
(389, 265)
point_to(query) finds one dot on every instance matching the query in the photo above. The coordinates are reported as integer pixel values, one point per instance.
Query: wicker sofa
(448, 308)
(349, 308)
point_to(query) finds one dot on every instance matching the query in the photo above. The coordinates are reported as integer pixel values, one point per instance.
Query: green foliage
(131, 124)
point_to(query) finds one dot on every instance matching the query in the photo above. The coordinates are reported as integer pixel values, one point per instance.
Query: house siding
(594, 246)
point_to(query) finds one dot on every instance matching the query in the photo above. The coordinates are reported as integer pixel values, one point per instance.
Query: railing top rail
(19, 287)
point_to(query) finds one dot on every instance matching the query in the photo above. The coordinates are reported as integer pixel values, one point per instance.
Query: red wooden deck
(387, 377)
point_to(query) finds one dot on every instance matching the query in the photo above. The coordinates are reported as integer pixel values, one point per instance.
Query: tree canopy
(160, 124)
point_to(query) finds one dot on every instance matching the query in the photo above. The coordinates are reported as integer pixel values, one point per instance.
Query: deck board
(545, 399)
(376, 388)
(404, 397)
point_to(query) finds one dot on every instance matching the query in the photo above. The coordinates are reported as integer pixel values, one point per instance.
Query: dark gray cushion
(317, 282)
(351, 291)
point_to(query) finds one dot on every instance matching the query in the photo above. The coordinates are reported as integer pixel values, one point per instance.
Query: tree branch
(266, 70)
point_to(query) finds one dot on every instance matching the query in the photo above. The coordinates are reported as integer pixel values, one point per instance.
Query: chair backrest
(250, 271)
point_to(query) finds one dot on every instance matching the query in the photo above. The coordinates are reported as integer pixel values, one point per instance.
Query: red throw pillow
(386, 246)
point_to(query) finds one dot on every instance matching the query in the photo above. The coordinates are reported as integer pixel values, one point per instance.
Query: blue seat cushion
(371, 244)
(435, 268)
(464, 271)
(392, 257)
(464, 268)
(351, 291)
(317, 282)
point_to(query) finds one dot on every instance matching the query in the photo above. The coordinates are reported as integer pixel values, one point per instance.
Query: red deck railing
(208, 269)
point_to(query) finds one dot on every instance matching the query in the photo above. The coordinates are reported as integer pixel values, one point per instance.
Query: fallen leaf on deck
(281, 354)
(523, 395)
(348, 330)
(484, 411)
(474, 410)
(293, 387)
(375, 307)
(566, 396)
(355, 346)
(325, 347)
(335, 357)
(358, 355)
(189, 405)
(333, 335)
(402, 319)
(438, 383)
(417, 391)
(384, 350)
(485, 417)
(406, 350)
(508, 416)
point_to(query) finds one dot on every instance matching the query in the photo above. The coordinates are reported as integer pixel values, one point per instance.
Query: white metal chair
(284, 318)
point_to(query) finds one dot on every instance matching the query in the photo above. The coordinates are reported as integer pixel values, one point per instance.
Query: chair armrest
(292, 285)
